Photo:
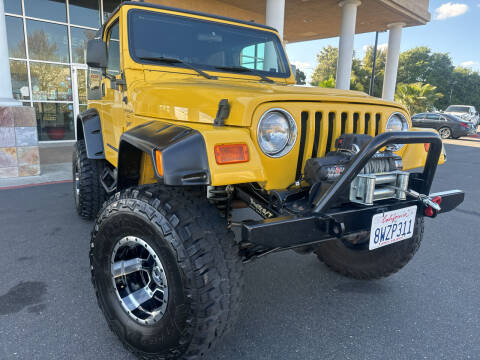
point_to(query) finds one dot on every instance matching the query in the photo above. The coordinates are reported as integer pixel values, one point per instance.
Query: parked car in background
(464, 112)
(447, 125)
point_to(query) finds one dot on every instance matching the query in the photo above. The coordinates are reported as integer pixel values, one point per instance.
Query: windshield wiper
(168, 60)
(244, 69)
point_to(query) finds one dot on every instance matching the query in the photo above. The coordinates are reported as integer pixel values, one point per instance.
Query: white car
(465, 112)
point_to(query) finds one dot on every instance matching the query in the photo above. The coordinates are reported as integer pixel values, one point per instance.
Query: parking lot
(294, 307)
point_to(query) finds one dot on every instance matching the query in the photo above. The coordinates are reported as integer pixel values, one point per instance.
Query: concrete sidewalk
(49, 173)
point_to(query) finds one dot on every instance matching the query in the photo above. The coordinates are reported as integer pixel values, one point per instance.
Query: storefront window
(82, 86)
(109, 6)
(46, 9)
(54, 121)
(18, 70)
(85, 12)
(13, 6)
(79, 38)
(15, 37)
(47, 41)
(50, 82)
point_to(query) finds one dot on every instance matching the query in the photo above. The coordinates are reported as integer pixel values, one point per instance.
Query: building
(46, 42)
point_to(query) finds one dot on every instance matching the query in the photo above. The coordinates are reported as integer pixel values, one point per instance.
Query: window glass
(85, 12)
(109, 6)
(13, 6)
(46, 9)
(94, 78)
(432, 116)
(79, 38)
(208, 45)
(82, 86)
(47, 41)
(50, 81)
(18, 70)
(15, 37)
(113, 65)
(54, 121)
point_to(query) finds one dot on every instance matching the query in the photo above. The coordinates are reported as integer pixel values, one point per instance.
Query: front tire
(356, 261)
(197, 298)
(88, 191)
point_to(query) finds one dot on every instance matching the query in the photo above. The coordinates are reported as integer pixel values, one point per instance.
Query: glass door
(79, 89)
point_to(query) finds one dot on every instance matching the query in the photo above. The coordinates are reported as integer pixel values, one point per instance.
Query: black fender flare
(89, 128)
(183, 149)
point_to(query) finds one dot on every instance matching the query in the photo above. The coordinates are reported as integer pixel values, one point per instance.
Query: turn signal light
(426, 146)
(231, 153)
(159, 162)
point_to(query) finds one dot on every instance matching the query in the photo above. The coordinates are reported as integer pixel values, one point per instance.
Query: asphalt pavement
(295, 308)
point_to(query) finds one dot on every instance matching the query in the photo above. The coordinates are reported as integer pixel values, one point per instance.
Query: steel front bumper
(328, 220)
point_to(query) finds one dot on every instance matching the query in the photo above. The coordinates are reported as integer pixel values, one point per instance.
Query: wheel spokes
(137, 298)
(125, 267)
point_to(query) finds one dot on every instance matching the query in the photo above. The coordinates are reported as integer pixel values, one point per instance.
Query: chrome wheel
(445, 133)
(139, 279)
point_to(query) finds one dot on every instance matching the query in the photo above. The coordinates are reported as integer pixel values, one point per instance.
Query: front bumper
(327, 219)
(291, 231)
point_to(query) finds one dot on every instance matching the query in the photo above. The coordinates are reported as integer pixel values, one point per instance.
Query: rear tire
(356, 261)
(88, 192)
(199, 258)
(445, 133)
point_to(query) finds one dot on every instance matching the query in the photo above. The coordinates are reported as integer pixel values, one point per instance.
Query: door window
(432, 117)
(113, 44)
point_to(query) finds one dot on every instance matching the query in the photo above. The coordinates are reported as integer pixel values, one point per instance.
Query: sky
(454, 28)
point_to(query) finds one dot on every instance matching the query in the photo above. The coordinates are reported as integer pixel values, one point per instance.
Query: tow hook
(432, 205)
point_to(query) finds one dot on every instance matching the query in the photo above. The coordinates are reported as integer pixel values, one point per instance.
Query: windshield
(205, 44)
(454, 108)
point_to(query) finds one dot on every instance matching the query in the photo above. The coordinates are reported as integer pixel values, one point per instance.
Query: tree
(417, 97)
(300, 77)
(465, 88)
(327, 65)
(367, 64)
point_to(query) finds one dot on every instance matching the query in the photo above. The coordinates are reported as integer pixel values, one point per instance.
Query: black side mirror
(97, 54)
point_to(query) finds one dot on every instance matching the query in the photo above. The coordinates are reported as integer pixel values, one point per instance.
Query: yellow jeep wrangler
(192, 116)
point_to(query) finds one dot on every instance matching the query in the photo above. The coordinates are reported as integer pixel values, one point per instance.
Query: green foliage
(417, 97)
(300, 77)
(327, 65)
(417, 67)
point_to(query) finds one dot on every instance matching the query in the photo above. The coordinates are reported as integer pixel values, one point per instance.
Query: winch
(380, 179)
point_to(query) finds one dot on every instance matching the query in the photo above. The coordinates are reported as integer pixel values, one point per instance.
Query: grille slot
(303, 137)
(316, 138)
(378, 117)
(356, 118)
(331, 119)
(367, 123)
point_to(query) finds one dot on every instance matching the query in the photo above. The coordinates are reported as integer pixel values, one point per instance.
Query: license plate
(392, 226)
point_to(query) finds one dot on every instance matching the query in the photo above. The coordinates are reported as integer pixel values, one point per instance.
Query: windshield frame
(280, 49)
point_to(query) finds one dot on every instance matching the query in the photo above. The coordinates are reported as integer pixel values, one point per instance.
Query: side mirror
(97, 54)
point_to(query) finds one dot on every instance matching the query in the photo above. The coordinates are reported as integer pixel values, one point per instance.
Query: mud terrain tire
(360, 263)
(203, 270)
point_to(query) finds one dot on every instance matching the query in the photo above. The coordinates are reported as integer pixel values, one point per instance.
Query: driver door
(112, 94)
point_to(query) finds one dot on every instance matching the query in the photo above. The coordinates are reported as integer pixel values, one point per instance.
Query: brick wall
(18, 142)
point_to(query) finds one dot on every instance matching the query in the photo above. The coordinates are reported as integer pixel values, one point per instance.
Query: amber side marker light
(159, 162)
(426, 146)
(231, 153)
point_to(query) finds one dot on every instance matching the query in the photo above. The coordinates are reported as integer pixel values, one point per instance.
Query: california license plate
(392, 226)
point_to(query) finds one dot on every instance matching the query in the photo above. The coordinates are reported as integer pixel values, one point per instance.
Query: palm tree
(417, 97)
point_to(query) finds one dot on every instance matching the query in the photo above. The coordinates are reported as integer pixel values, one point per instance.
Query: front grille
(320, 128)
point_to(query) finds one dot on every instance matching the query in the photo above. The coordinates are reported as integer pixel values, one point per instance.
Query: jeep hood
(197, 100)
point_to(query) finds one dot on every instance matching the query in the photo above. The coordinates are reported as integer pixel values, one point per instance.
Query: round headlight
(276, 132)
(396, 122)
